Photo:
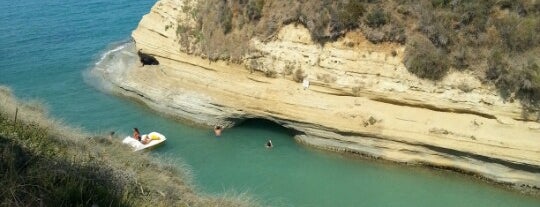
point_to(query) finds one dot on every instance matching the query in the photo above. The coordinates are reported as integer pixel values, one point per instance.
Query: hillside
(45, 163)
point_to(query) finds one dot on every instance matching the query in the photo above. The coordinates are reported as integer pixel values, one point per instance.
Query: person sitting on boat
(269, 144)
(146, 139)
(136, 134)
(217, 130)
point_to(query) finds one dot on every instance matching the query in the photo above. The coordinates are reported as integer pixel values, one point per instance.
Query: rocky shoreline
(361, 99)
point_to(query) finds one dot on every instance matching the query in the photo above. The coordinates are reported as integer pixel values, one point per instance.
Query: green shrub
(435, 26)
(377, 18)
(459, 59)
(505, 4)
(515, 82)
(519, 34)
(532, 75)
(181, 29)
(523, 84)
(226, 19)
(497, 65)
(500, 73)
(349, 15)
(424, 60)
(535, 8)
(254, 9)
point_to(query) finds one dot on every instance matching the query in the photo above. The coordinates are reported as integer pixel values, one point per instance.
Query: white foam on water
(111, 67)
(106, 54)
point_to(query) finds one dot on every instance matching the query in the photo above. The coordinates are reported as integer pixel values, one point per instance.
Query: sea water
(47, 45)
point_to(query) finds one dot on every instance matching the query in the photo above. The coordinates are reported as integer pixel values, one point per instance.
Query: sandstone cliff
(360, 99)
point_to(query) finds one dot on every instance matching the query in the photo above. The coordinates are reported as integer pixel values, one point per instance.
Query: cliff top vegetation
(45, 163)
(496, 40)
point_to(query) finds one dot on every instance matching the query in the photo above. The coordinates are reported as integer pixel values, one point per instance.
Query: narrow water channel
(47, 45)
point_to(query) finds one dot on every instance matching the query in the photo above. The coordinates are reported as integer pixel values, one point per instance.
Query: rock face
(360, 98)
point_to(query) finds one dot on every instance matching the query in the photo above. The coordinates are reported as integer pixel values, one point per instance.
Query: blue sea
(46, 46)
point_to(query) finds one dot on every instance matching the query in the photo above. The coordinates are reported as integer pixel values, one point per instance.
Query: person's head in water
(269, 144)
(135, 130)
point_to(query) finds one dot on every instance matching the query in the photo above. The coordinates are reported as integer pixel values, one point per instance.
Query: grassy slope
(46, 163)
(497, 40)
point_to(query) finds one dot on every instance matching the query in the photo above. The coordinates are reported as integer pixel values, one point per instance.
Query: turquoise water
(46, 45)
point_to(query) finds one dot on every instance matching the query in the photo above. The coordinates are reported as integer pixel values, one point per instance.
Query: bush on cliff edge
(424, 60)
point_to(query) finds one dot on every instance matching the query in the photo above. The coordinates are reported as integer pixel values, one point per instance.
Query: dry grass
(462, 35)
(44, 162)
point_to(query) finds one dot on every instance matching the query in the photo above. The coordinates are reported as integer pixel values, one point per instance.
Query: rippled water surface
(46, 45)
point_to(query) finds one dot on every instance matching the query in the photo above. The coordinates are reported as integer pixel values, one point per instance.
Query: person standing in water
(217, 130)
(269, 144)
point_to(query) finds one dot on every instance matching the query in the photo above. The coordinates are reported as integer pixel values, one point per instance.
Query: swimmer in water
(269, 144)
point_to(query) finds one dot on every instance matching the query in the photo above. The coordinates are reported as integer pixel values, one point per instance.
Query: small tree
(424, 60)
(377, 18)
